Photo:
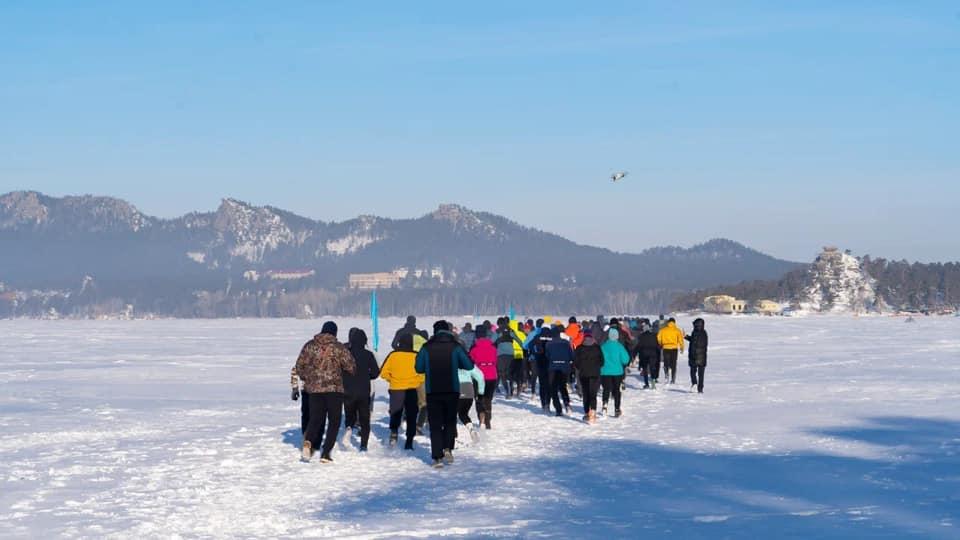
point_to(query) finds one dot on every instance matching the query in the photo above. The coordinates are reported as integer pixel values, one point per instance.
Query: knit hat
(329, 327)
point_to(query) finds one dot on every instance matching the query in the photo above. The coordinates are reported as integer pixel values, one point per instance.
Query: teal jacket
(615, 356)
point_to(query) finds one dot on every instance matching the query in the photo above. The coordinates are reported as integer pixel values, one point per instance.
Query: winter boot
(693, 388)
(393, 439)
(408, 445)
(448, 457)
(325, 458)
(306, 452)
(618, 413)
(437, 464)
(474, 434)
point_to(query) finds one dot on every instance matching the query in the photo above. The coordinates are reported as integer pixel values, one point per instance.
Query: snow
(351, 243)
(826, 427)
(838, 284)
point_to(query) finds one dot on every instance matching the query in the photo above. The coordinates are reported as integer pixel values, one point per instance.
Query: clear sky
(783, 125)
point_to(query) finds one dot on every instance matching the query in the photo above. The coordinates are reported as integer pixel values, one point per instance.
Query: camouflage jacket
(321, 364)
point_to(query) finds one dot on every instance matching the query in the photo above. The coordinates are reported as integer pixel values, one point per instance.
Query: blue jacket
(559, 354)
(440, 360)
(615, 356)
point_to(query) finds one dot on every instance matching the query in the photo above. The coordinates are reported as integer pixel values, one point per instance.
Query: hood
(698, 324)
(613, 334)
(589, 341)
(358, 338)
(405, 343)
(671, 325)
(325, 339)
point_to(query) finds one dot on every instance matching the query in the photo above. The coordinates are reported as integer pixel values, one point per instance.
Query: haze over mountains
(88, 255)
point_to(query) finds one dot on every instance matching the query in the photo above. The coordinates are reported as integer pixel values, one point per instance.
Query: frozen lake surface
(821, 427)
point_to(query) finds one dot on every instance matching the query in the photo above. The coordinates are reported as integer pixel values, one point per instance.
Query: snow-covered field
(813, 427)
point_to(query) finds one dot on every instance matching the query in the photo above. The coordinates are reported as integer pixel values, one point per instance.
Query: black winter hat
(329, 327)
(481, 331)
(411, 320)
(441, 326)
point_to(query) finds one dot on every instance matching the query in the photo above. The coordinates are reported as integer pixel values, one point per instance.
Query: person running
(648, 354)
(560, 357)
(506, 339)
(538, 355)
(419, 338)
(409, 328)
(698, 355)
(439, 361)
(399, 370)
(471, 387)
(356, 386)
(519, 357)
(467, 335)
(588, 360)
(320, 366)
(670, 339)
(615, 359)
(484, 356)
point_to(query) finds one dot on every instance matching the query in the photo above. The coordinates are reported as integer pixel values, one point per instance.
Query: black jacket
(588, 359)
(697, 355)
(647, 350)
(407, 329)
(357, 384)
(441, 359)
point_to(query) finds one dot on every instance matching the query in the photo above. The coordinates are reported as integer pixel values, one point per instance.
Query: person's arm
(385, 371)
(374, 368)
(423, 359)
(346, 360)
(463, 361)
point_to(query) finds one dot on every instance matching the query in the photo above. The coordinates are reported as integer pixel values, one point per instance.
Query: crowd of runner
(440, 379)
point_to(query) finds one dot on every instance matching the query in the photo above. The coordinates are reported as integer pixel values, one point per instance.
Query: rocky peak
(465, 220)
(252, 229)
(22, 208)
(836, 283)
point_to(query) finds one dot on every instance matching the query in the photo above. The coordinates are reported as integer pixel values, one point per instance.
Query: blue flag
(374, 316)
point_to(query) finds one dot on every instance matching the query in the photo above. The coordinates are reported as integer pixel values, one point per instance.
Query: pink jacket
(484, 355)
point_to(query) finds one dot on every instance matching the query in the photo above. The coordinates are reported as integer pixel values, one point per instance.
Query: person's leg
(349, 412)
(617, 392)
(363, 412)
(655, 368)
(334, 414)
(605, 383)
(702, 370)
(586, 394)
(397, 398)
(564, 393)
(304, 412)
(450, 421)
(594, 389)
(463, 411)
(555, 378)
(412, 405)
(435, 416)
(317, 414)
(544, 387)
(421, 406)
(693, 374)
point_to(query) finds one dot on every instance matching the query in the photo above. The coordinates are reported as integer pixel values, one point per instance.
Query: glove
(295, 394)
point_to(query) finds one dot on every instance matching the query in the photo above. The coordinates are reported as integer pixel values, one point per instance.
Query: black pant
(544, 377)
(503, 373)
(590, 386)
(404, 401)
(485, 402)
(654, 367)
(463, 411)
(442, 415)
(358, 408)
(611, 385)
(516, 374)
(304, 411)
(558, 389)
(670, 364)
(696, 376)
(325, 410)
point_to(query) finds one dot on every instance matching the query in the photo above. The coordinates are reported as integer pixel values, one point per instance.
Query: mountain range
(87, 255)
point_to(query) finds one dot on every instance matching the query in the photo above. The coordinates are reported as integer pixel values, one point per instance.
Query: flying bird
(617, 176)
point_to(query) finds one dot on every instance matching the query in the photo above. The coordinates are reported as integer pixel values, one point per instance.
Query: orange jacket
(576, 335)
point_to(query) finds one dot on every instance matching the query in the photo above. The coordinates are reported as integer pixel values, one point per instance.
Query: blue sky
(785, 126)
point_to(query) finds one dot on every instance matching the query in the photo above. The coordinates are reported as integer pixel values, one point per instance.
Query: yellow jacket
(670, 337)
(398, 370)
(517, 349)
